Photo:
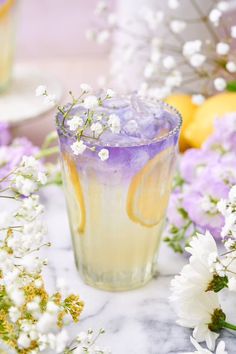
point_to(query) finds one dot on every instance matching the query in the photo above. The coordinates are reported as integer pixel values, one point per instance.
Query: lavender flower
(5, 135)
(205, 177)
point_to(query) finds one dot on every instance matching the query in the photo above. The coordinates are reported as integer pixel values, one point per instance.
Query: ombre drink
(117, 207)
(7, 40)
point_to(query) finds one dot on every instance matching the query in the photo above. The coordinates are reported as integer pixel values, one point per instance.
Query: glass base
(122, 281)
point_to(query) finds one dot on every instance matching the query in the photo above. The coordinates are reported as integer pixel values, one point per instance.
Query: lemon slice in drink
(77, 192)
(149, 190)
(5, 8)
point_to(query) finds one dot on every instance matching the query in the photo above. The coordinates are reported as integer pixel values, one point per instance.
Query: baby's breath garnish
(31, 319)
(85, 119)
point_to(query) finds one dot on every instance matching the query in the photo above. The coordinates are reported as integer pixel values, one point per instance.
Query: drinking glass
(7, 40)
(117, 207)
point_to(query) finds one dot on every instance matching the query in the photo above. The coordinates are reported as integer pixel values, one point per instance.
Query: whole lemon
(202, 124)
(183, 103)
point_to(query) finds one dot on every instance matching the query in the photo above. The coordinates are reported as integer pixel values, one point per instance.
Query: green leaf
(231, 86)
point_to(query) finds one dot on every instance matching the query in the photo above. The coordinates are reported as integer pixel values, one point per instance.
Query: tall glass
(117, 207)
(7, 40)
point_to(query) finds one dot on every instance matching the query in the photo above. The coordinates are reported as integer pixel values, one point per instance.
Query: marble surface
(137, 322)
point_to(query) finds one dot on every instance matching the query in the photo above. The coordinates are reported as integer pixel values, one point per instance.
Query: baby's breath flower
(103, 36)
(222, 48)
(110, 93)
(231, 66)
(114, 123)
(103, 154)
(233, 31)
(75, 122)
(169, 62)
(173, 4)
(198, 99)
(177, 26)
(78, 147)
(97, 128)
(196, 60)
(85, 88)
(90, 102)
(220, 84)
(214, 16)
(41, 90)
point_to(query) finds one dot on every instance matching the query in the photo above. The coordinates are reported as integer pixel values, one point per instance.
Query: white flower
(14, 314)
(25, 186)
(231, 67)
(78, 147)
(17, 297)
(174, 79)
(173, 4)
(90, 102)
(232, 284)
(110, 93)
(198, 99)
(192, 47)
(40, 90)
(223, 6)
(75, 123)
(51, 99)
(103, 154)
(4, 219)
(24, 341)
(219, 350)
(103, 36)
(194, 305)
(232, 194)
(220, 84)
(214, 16)
(47, 322)
(222, 48)
(197, 60)
(177, 26)
(149, 70)
(152, 18)
(169, 62)
(233, 31)
(85, 88)
(114, 123)
(97, 128)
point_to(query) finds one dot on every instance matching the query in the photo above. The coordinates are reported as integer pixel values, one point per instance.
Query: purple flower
(194, 161)
(5, 136)
(11, 155)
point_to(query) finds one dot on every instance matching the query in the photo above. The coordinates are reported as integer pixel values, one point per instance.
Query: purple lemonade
(117, 205)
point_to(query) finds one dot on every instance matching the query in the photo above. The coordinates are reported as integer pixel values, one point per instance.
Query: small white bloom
(174, 79)
(111, 19)
(231, 67)
(14, 314)
(85, 88)
(75, 123)
(177, 26)
(114, 123)
(232, 284)
(233, 31)
(196, 60)
(47, 322)
(52, 307)
(222, 48)
(232, 194)
(40, 90)
(110, 93)
(24, 341)
(214, 16)
(169, 62)
(149, 70)
(51, 99)
(90, 102)
(220, 84)
(97, 128)
(103, 36)
(223, 6)
(38, 283)
(42, 178)
(198, 99)
(192, 47)
(173, 4)
(78, 147)
(229, 243)
(103, 154)
(25, 186)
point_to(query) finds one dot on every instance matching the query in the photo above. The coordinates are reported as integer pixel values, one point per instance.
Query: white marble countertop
(137, 322)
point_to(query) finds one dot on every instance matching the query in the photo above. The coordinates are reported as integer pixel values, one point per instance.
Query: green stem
(47, 152)
(228, 325)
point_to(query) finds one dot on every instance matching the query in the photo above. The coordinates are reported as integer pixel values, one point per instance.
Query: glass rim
(146, 141)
